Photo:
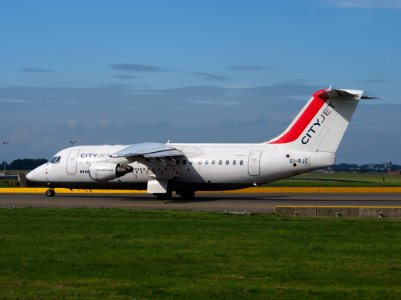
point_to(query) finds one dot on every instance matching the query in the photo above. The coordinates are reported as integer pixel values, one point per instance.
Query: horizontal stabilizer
(369, 97)
(344, 94)
(340, 94)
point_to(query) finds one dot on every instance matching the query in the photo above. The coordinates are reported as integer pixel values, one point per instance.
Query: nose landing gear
(50, 193)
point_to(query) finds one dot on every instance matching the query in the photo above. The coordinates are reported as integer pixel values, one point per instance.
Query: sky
(123, 72)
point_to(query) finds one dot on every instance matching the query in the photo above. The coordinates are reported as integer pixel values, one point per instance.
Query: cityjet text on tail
(309, 143)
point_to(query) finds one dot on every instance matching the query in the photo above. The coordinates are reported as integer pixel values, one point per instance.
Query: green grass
(339, 179)
(8, 183)
(123, 254)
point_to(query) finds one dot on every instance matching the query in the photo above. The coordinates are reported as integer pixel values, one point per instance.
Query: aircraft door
(254, 163)
(72, 162)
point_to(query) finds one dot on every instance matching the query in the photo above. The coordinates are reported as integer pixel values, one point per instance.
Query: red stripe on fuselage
(319, 98)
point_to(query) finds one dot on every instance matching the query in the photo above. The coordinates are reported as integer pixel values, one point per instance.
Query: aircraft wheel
(50, 193)
(165, 196)
(187, 194)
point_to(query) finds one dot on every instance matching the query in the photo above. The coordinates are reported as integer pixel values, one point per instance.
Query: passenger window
(220, 162)
(213, 162)
(184, 162)
(241, 162)
(234, 162)
(206, 162)
(199, 162)
(227, 162)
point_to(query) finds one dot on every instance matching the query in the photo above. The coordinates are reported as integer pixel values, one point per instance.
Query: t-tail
(321, 124)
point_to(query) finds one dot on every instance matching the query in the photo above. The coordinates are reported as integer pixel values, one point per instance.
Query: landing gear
(165, 196)
(186, 194)
(50, 193)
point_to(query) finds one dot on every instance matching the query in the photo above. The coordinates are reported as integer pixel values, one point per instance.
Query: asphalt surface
(231, 202)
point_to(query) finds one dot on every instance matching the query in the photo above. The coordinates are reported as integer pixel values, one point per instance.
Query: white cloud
(104, 123)
(73, 123)
(15, 101)
(366, 3)
(210, 76)
(21, 135)
(216, 102)
(35, 70)
(135, 67)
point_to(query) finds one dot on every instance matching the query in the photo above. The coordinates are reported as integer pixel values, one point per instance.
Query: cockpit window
(55, 160)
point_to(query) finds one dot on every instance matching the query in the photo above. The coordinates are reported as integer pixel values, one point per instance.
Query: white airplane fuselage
(309, 143)
(203, 166)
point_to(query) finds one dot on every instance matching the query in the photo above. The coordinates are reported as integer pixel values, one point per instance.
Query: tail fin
(322, 122)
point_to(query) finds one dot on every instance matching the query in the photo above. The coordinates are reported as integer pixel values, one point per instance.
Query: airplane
(309, 143)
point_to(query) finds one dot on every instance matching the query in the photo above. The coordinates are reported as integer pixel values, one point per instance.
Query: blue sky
(121, 72)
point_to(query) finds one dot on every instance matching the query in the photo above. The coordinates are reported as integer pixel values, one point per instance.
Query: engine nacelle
(105, 171)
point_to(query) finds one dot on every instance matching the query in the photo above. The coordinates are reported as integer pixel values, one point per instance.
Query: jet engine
(105, 171)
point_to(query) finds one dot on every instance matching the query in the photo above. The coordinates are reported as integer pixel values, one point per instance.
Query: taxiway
(235, 202)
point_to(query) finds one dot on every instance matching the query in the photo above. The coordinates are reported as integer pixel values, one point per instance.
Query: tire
(50, 193)
(165, 196)
(186, 194)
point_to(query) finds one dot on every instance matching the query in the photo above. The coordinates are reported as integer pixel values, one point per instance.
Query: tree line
(380, 168)
(23, 164)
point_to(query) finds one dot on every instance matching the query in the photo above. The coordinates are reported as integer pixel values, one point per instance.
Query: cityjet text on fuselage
(94, 155)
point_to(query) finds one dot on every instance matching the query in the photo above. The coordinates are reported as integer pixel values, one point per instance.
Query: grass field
(123, 254)
(340, 179)
(8, 183)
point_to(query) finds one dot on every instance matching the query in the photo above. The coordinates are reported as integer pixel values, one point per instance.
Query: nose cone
(37, 175)
(31, 175)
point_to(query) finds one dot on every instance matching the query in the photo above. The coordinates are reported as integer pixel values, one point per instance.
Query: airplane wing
(149, 151)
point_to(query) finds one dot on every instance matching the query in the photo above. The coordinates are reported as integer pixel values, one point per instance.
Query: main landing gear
(165, 196)
(184, 194)
(50, 193)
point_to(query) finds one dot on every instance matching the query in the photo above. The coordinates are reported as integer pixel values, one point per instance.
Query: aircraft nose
(37, 174)
(30, 176)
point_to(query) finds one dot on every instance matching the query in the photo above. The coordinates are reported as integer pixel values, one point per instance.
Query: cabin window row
(215, 162)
